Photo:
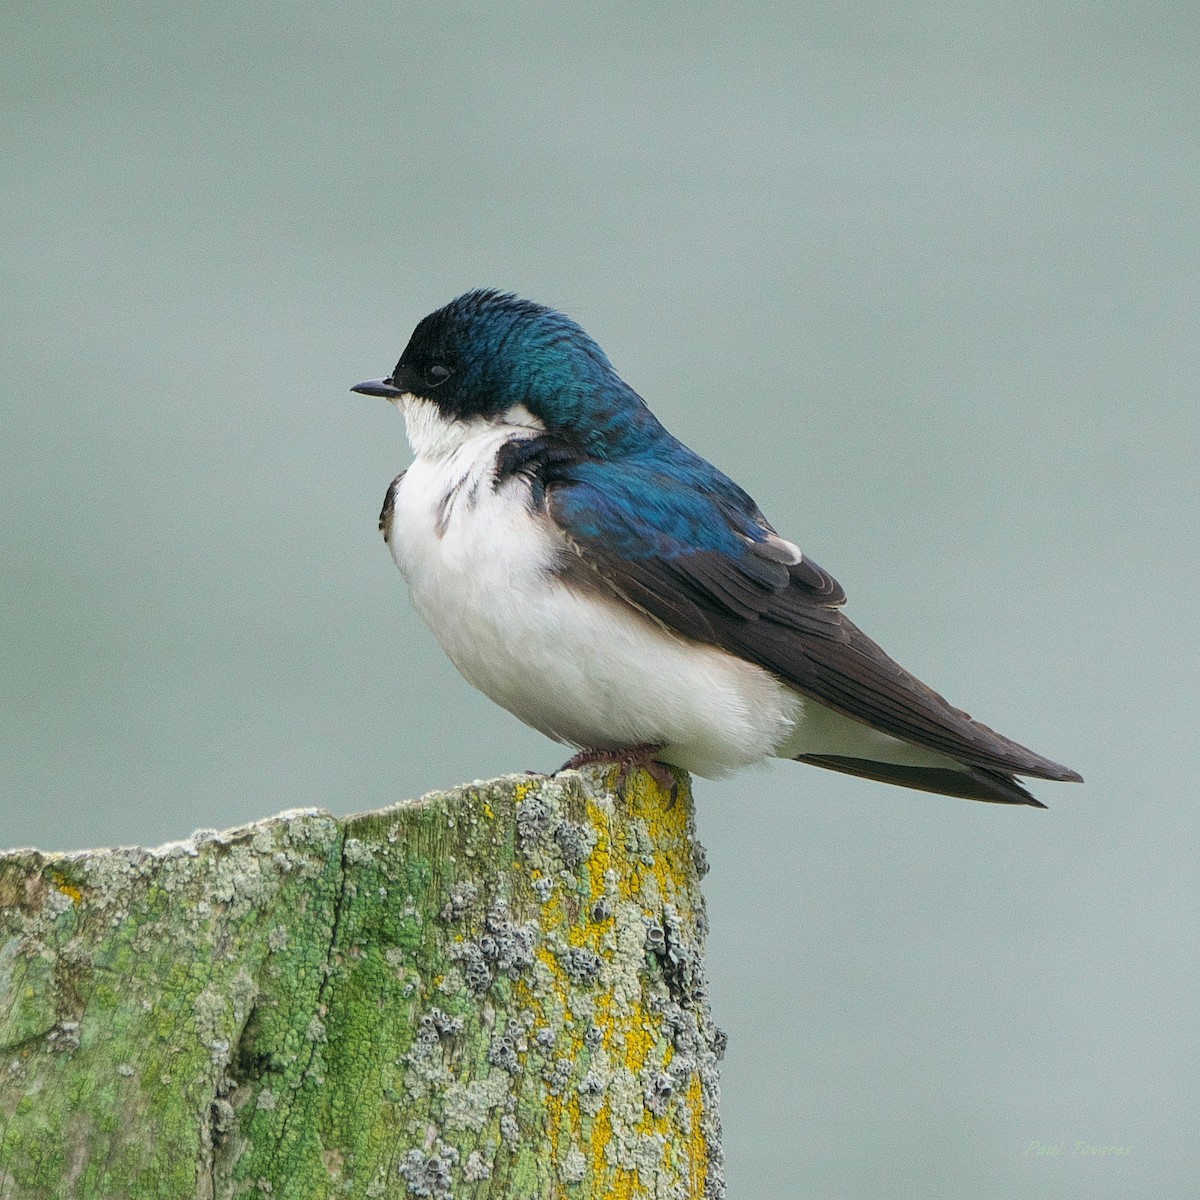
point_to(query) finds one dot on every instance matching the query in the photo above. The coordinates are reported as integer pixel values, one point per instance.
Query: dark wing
(705, 563)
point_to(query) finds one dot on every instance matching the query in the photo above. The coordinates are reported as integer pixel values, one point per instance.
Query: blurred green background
(922, 277)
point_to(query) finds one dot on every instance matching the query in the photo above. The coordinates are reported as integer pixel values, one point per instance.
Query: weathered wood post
(496, 991)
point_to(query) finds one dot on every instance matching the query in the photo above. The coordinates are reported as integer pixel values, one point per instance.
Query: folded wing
(692, 551)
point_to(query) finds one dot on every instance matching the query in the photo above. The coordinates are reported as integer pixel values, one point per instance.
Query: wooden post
(496, 991)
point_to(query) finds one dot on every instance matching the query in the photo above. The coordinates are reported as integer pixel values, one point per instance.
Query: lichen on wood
(496, 991)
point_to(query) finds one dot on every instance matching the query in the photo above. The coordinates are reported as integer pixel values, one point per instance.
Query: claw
(627, 759)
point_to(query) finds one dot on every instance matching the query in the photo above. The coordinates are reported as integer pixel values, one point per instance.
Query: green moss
(494, 991)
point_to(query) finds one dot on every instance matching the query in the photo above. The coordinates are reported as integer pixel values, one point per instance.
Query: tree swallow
(614, 590)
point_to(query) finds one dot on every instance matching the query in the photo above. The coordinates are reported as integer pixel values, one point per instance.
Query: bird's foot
(629, 758)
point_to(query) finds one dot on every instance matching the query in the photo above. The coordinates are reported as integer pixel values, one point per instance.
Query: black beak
(378, 387)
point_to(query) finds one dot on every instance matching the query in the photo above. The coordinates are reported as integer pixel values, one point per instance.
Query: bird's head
(495, 357)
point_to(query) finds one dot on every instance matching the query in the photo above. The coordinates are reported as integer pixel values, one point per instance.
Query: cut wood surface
(495, 991)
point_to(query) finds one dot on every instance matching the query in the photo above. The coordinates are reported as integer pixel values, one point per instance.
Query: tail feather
(969, 783)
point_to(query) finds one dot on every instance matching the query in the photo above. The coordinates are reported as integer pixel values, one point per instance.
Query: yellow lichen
(698, 1155)
(67, 888)
(639, 859)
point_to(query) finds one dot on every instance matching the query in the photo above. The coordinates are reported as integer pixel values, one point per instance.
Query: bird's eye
(436, 373)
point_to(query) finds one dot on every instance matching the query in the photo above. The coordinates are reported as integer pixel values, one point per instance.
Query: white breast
(586, 671)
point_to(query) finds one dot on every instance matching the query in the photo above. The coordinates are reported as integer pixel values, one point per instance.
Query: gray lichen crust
(491, 992)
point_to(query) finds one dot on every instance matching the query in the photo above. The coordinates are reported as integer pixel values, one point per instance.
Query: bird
(614, 590)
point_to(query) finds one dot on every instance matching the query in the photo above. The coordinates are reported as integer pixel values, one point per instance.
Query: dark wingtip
(1053, 771)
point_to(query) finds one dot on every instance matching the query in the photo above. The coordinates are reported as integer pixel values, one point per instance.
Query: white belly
(586, 671)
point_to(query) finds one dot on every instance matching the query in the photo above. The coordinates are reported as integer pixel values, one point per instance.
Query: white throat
(433, 435)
